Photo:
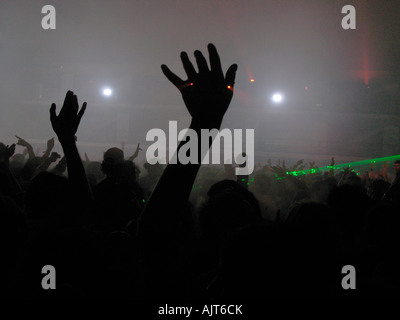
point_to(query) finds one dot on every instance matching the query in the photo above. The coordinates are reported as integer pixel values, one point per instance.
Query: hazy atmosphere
(104, 194)
(336, 84)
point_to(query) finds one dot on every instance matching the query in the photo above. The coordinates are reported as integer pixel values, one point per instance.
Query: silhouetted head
(228, 208)
(94, 172)
(17, 161)
(126, 171)
(111, 158)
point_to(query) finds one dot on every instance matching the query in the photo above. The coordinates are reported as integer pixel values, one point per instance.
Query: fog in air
(309, 88)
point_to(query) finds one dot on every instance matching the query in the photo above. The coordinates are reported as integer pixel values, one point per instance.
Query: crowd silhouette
(181, 231)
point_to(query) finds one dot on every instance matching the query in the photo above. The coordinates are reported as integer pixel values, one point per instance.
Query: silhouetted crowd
(113, 229)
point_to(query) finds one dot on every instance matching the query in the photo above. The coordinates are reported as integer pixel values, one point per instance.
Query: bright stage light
(107, 92)
(277, 97)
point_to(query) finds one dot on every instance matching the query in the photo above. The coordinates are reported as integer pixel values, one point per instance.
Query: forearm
(175, 185)
(31, 154)
(133, 157)
(47, 153)
(46, 162)
(207, 93)
(76, 171)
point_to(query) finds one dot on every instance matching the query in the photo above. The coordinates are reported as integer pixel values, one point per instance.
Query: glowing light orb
(277, 97)
(107, 92)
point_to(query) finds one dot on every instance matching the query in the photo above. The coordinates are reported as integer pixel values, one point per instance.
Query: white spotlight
(277, 97)
(107, 92)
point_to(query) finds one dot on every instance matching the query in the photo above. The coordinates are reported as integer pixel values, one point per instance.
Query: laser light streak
(344, 165)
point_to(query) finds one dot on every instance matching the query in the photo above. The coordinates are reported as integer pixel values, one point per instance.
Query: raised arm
(60, 167)
(134, 156)
(50, 146)
(65, 126)
(23, 143)
(207, 94)
(46, 162)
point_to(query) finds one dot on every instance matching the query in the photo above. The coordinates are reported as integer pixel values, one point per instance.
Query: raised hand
(206, 93)
(50, 146)
(66, 123)
(61, 166)
(23, 143)
(65, 126)
(47, 161)
(27, 145)
(134, 156)
(54, 156)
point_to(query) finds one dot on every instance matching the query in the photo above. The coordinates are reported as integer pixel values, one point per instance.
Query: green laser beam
(344, 165)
